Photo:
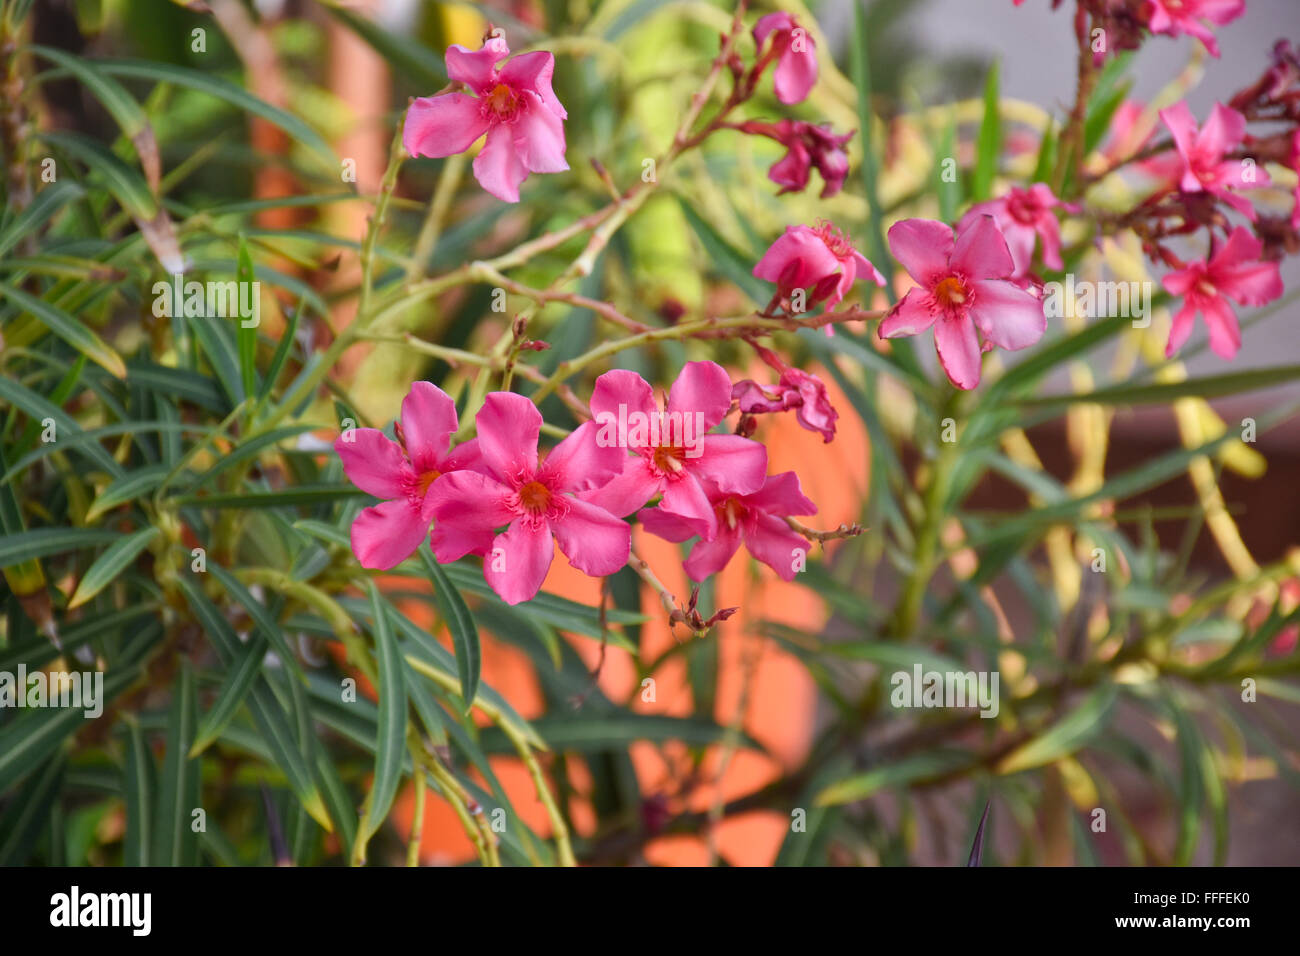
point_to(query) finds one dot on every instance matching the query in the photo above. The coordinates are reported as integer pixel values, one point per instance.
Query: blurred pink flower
(1176, 17)
(385, 535)
(515, 107)
(535, 501)
(1203, 152)
(753, 519)
(795, 52)
(1295, 166)
(1025, 216)
(1131, 131)
(1233, 272)
(795, 389)
(822, 259)
(964, 288)
(685, 458)
(810, 146)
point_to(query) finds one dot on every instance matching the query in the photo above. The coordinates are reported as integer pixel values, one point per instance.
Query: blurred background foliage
(1120, 690)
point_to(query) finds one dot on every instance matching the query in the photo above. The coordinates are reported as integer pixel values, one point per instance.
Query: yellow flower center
(502, 100)
(950, 292)
(425, 480)
(534, 497)
(669, 458)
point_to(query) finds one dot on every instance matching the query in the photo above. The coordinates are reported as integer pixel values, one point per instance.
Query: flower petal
(498, 167)
(539, 137)
(581, 462)
(1181, 329)
(517, 570)
(1008, 316)
(701, 387)
(798, 259)
(594, 541)
(387, 534)
(534, 72)
(981, 250)
(731, 463)
(1225, 333)
(428, 421)
(914, 313)
(468, 508)
(666, 525)
(622, 388)
(373, 462)
(781, 495)
(771, 541)
(475, 68)
(443, 125)
(959, 350)
(796, 72)
(686, 498)
(629, 490)
(712, 555)
(922, 246)
(508, 428)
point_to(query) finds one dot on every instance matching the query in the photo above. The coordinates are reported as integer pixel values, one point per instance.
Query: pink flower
(1176, 17)
(515, 107)
(1025, 216)
(795, 389)
(674, 454)
(754, 519)
(1204, 167)
(963, 288)
(822, 259)
(385, 535)
(535, 501)
(1233, 272)
(795, 53)
(1295, 166)
(810, 147)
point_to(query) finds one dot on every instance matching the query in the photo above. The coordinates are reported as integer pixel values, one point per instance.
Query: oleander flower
(809, 146)
(795, 53)
(513, 104)
(754, 520)
(964, 290)
(673, 454)
(1192, 17)
(1233, 272)
(385, 535)
(821, 259)
(536, 502)
(1026, 217)
(795, 389)
(1203, 151)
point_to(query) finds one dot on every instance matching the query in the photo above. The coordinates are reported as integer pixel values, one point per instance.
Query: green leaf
(870, 170)
(138, 787)
(1065, 736)
(464, 633)
(47, 202)
(1212, 386)
(175, 842)
(75, 333)
(734, 265)
(238, 682)
(298, 495)
(127, 186)
(16, 548)
(236, 96)
(115, 559)
(989, 143)
(615, 731)
(390, 748)
(28, 811)
(40, 409)
(129, 487)
(281, 355)
(949, 192)
(899, 773)
(1046, 161)
(247, 334)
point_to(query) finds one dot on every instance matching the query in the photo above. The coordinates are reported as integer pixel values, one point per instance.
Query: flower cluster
(494, 496)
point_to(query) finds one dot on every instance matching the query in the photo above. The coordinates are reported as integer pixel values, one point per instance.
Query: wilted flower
(1233, 272)
(964, 287)
(754, 520)
(795, 389)
(795, 53)
(811, 146)
(515, 107)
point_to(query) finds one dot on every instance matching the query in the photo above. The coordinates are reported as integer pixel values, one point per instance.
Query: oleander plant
(618, 432)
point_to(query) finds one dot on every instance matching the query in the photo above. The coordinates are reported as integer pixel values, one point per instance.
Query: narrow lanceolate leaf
(464, 632)
(269, 716)
(247, 333)
(238, 682)
(899, 773)
(47, 202)
(125, 111)
(39, 409)
(175, 841)
(24, 818)
(116, 559)
(390, 748)
(139, 780)
(129, 487)
(1211, 386)
(38, 543)
(72, 331)
(989, 143)
(1066, 735)
(977, 845)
